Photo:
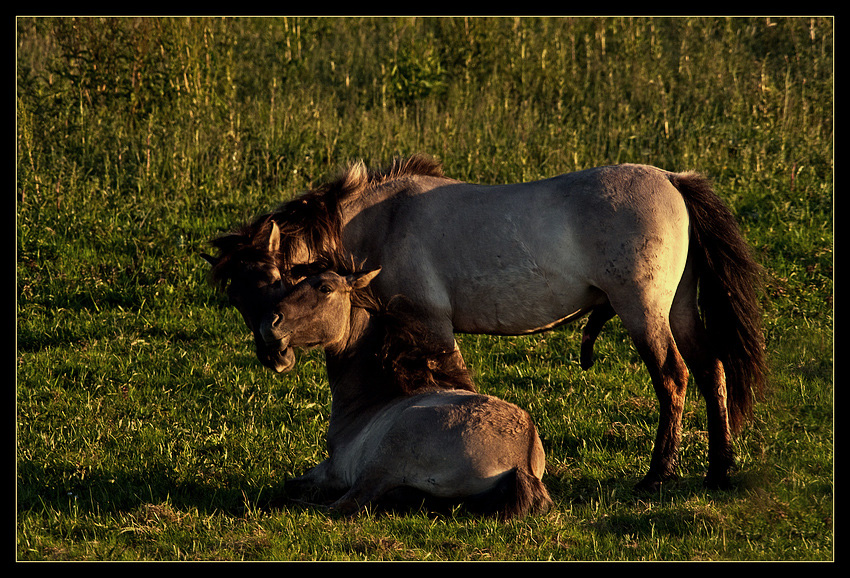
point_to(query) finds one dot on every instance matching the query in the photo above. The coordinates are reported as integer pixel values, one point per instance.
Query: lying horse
(405, 415)
(630, 240)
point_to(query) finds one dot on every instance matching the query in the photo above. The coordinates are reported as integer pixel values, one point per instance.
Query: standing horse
(630, 240)
(404, 415)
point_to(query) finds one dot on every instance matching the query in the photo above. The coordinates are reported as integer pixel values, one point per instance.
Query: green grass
(147, 430)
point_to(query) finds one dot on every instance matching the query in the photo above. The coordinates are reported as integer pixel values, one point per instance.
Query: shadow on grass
(123, 491)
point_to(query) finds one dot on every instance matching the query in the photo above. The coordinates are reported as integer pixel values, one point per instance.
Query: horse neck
(354, 372)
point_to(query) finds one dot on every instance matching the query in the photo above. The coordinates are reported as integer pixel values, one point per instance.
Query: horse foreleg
(598, 316)
(367, 490)
(317, 485)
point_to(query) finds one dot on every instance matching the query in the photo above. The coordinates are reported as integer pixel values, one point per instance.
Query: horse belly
(517, 264)
(521, 304)
(519, 278)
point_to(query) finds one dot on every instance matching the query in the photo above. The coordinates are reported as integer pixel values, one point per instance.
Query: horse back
(518, 258)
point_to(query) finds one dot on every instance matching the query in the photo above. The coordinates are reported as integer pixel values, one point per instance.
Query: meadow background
(145, 427)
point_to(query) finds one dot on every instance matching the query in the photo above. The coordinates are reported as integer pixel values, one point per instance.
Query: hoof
(718, 482)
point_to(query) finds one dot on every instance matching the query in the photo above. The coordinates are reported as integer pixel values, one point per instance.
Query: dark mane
(312, 220)
(245, 245)
(414, 362)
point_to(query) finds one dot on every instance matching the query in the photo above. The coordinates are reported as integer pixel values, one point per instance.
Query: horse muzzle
(273, 349)
(272, 341)
(278, 357)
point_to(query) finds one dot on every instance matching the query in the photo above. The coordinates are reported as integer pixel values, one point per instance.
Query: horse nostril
(277, 319)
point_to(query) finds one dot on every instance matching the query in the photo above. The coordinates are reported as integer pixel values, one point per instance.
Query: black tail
(517, 494)
(729, 282)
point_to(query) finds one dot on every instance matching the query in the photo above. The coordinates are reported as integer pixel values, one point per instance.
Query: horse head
(249, 272)
(246, 270)
(315, 312)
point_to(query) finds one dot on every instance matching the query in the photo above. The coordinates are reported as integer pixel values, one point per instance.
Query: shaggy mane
(412, 361)
(312, 218)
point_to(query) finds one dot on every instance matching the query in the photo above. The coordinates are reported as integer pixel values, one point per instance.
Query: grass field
(147, 430)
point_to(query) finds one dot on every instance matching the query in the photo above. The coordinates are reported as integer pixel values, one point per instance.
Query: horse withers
(405, 415)
(658, 249)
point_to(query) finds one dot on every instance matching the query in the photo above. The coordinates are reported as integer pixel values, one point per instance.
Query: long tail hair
(729, 283)
(517, 494)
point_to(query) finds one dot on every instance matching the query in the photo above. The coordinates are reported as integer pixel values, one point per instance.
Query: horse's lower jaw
(279, 361)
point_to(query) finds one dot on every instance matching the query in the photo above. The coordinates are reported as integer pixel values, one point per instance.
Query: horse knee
(678, 370)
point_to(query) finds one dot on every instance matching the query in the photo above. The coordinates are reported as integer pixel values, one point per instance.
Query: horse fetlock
(652, 483)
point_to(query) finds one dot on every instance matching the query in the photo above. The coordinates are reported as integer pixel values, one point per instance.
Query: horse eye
(325, 289)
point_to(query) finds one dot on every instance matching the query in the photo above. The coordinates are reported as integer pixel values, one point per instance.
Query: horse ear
(361, 280)
(274, 239)
(210, 259)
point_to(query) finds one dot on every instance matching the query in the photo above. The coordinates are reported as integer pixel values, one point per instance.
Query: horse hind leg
(650, 330)
(709, 376)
